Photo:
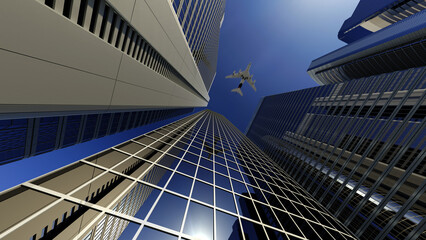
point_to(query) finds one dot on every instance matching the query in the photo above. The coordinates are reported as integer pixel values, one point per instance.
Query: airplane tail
(238, 90)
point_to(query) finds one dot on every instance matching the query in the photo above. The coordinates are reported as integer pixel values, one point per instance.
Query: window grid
(213, 136)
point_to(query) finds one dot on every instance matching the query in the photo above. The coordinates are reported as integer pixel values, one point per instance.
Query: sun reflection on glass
(200, 236)
(199, 222)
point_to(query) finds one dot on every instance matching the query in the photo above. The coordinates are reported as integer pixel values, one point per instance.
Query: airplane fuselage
(243, 79)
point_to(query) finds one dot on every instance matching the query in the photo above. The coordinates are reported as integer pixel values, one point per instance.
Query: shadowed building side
(357, 146)
(22, 138)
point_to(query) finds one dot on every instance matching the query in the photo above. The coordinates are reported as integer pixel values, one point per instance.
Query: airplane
(245, 76)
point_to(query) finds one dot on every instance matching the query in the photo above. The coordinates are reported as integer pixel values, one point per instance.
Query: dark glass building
(22, 138)
(197, 178)
(357, 147)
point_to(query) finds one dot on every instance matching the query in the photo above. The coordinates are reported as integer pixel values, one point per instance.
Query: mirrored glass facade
(201, 21)
(197, 178)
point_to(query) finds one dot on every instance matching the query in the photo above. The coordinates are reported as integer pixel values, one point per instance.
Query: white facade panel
(51, 63)
(157, 22)
(33, 82)
(40, 32)
(125, 7)
(133, 72)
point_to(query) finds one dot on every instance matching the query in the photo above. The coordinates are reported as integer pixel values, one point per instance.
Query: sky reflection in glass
(180, 184)
(199, 222)
(148, 233)
(225, 200)
(203, 192)
(227, 226)
(169, 211)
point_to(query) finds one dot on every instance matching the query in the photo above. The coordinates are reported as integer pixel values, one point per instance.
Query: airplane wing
(252, 82)
(246, 72)
(234, 75)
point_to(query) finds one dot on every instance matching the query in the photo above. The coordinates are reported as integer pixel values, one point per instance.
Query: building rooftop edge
(411, 24)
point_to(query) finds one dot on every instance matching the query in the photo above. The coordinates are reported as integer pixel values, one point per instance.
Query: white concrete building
(98, 55)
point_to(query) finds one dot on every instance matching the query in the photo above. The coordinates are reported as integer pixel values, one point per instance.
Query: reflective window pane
(227, 227)
(148, 197)
(187, 168)
(239, 187)
(225, 200)
(287, 222)
(258, 195)
(221, 169)
(275, 235)
(194, 150)
(246, 207)
(222, 181)
(157, 175)
(206, 163)
(180, 184)
(129, 231)
(273, 200)
(205, 175)
(169, 211)
(169, 161)
(253, 231)
(191, 157)
(235, 174)
(148, 233)
(220, 160)
(266, 215)
(232, 165)
(203, 192)
(199, 222)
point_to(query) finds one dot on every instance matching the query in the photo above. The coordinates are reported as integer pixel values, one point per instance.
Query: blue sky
(279, 37)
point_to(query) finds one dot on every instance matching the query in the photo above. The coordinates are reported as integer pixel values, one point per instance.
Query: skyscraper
(372, 16)
(357, 142)
(396, 45)
(357, 147)
(77, 70)
(196, 178)
(201, 21)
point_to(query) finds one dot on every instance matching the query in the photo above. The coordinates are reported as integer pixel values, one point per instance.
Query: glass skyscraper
(357, 147)
(196, 178)
(201, 21)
